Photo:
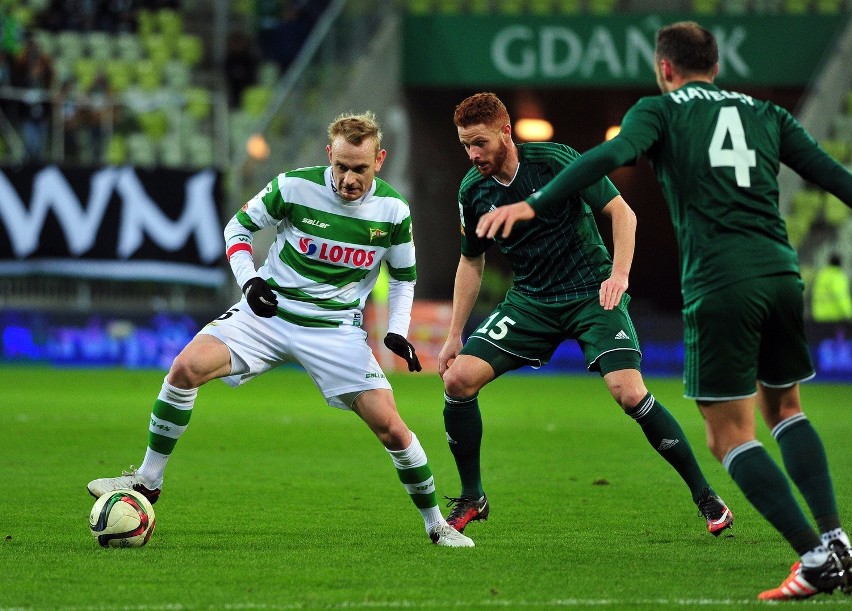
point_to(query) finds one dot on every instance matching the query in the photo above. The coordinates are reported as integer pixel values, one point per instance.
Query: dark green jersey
(557, 256)
(716, 154)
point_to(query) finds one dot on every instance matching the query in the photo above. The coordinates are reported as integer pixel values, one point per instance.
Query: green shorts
(522, 331)
(744, 332)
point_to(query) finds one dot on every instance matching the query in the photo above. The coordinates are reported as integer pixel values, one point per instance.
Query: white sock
(815, 557)
(152, 469)
(837, 533)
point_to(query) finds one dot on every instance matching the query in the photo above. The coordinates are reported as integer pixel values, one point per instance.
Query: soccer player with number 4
(335, 227)
(716, 154)
(565, 286)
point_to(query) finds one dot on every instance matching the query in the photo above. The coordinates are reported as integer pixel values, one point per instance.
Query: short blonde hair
(356, 128)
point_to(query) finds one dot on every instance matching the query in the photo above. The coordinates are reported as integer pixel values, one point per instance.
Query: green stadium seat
(119, 73)
(763, 7)
(46, 41)
(567, 7)
(831, 7)
(449, 7)
(85, 71)
(705, 7)
(540, 7)
(176, 74)
(510, 7)
(835, 212)
(190, 49)
(255, 100)
(241, 126)
(149, 75)
(154, 123)
(602, 7)
(419, 7)
(199, 151)
(798, 227)
(199, 103)
(837, 148)
(128, 46)
(100, 46)
(116, 150)
(479, 7)
(735, 7)
(807, 203)
(70, 45)
(796, 7)
(141, 150)
(159, 48)
(267, 74)
(169, 22)
(146, 22)
(171, 154)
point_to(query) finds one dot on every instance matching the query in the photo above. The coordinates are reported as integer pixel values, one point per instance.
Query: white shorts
(338, 359)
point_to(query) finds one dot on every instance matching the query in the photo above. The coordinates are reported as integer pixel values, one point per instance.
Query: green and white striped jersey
(328, 251)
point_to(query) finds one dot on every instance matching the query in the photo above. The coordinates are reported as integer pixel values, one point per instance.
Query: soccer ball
(122, 518)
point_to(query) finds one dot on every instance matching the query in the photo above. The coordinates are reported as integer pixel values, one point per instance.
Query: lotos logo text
(334, 253)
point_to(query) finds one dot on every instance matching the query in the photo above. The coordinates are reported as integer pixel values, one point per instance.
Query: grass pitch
(273, 500)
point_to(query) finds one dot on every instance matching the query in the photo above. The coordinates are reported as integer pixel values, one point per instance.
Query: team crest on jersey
(307, 246)
(377, 233)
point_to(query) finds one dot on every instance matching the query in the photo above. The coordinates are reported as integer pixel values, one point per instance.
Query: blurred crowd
(41, 90)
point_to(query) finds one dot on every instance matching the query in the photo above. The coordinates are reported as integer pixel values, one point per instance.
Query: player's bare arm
(624, 242)
(503, 217)
(465, 290)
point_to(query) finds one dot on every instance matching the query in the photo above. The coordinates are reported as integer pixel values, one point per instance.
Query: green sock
(665, 435)
(806, 463)
(463, 423)
(169, 420)
(765, 486)
(415, 474)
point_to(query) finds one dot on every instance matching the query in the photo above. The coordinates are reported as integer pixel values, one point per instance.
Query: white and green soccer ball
(122, 518)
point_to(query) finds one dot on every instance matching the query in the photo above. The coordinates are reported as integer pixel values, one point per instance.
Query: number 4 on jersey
(739, 156)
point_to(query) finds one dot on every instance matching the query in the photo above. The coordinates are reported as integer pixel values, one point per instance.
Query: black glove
(260, 297)
(399, 345)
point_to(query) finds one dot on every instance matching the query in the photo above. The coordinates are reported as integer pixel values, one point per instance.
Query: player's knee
(628, 396)
(393, 435)
(456, 385)
(182, 373)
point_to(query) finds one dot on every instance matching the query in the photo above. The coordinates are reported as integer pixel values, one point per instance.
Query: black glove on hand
(399, 345)
(260, 297)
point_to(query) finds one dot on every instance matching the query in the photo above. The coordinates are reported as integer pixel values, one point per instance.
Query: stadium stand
(170, 103)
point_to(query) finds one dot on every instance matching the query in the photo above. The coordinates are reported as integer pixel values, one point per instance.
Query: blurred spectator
(6, 105)
(77, 15)
(117, 16)
(241, 59)
(98, 112)
(69, 103)
(33, 71)
(84, 115)
(283, 26)
(831, 300)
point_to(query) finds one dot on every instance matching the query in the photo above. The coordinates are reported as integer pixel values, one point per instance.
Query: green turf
(275, 501)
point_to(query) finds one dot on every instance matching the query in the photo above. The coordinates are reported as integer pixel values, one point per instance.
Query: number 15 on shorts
(497, 330)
